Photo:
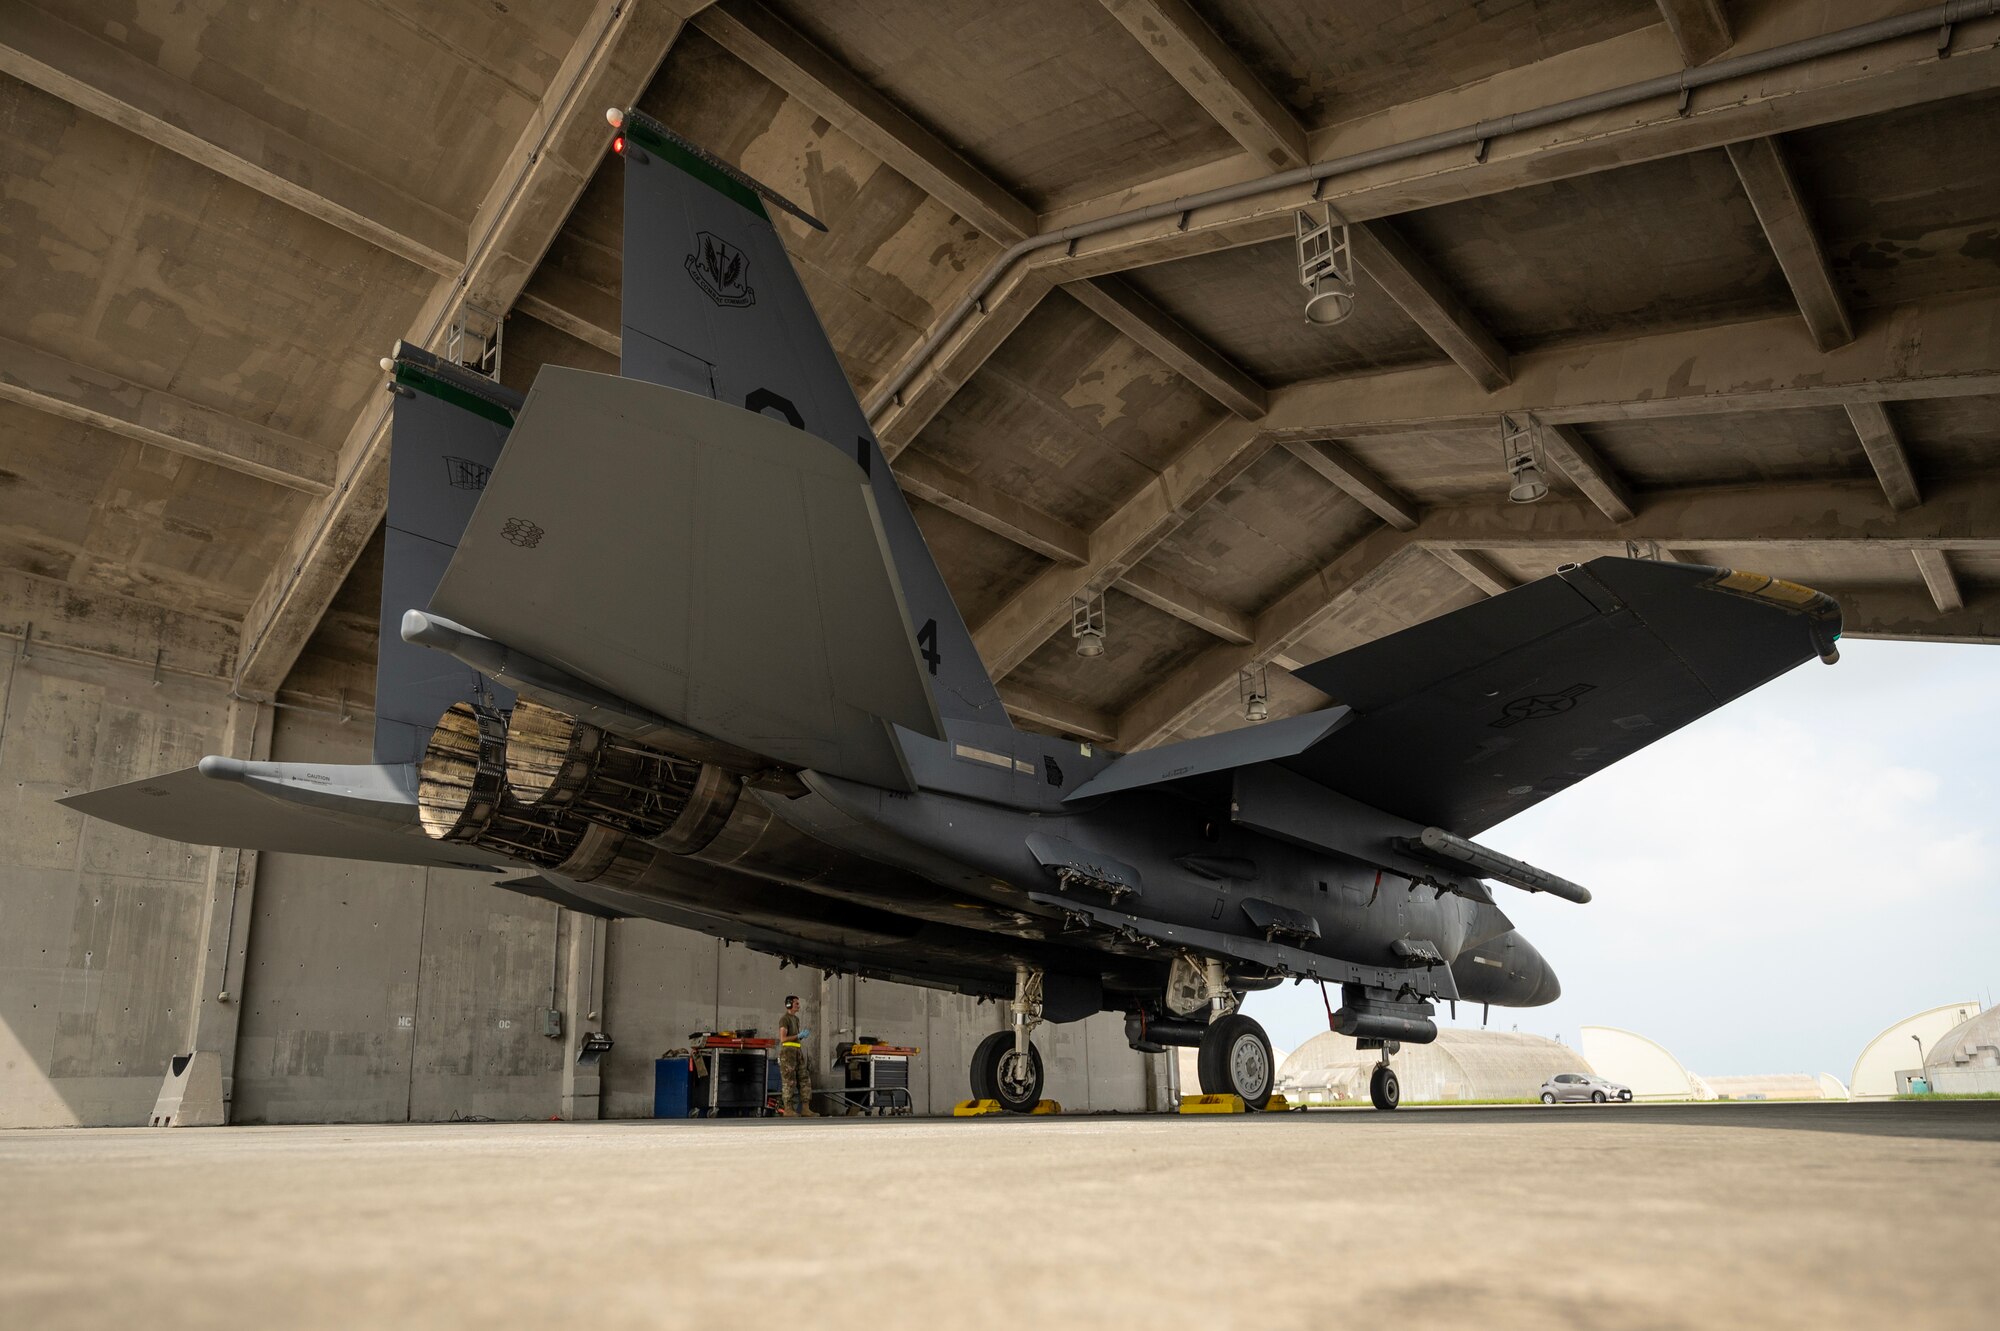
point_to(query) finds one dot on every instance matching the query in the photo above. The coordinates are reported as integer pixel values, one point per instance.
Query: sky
(1775, 883)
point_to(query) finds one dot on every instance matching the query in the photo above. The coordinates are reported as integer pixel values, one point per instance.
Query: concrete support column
(217, 990)
(583, 940)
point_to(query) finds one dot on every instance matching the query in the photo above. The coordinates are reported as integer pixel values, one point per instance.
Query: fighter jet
(669, 644)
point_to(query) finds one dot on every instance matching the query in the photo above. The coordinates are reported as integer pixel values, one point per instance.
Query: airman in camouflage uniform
(795, 1093)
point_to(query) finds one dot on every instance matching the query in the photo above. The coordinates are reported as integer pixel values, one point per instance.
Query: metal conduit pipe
(1756, 62)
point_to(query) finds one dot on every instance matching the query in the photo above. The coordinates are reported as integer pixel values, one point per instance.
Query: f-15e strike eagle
(668, 643)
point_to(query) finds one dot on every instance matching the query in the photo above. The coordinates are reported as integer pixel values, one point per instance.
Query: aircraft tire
(1235, 1059)
(1384, 1089)
(982, 1074)
(987, 1082)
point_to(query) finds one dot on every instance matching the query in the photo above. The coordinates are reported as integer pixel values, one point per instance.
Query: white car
(1574, 1087)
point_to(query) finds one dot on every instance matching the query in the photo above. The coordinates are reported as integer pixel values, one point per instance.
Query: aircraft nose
(1548, 989)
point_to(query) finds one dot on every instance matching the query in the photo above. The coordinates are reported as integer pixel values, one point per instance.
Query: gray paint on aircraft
(712, 305)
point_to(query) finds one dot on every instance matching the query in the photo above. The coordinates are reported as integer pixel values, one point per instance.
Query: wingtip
(218, 768)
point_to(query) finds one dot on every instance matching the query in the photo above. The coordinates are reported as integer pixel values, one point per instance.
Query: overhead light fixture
(1520, 444)
(1087, 623)
(1254, 689)
(474, 339)
(1326, 264)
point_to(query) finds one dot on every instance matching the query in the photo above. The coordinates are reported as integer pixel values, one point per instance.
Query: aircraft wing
(1470, 718)
(712, 564)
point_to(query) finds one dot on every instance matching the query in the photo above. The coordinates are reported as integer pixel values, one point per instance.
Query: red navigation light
(618, 145)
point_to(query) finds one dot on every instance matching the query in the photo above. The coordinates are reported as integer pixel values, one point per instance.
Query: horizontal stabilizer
(1471, 717)
(550, 890)
(710, 564)
(1189, 759)
(354, 813)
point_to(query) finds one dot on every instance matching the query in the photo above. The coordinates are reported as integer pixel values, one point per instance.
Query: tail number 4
(927, 641)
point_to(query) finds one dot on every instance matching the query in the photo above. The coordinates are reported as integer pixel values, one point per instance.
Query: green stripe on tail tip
(646, 137)
(409, 376)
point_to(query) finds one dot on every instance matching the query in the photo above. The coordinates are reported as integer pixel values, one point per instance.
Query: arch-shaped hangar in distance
(1742, 303)
(1904, 1047)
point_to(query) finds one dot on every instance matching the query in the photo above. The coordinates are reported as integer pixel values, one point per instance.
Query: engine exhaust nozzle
(549, 753)
(462, 777)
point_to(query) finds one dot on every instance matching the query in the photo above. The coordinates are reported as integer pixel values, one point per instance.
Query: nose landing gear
(1383, 1088)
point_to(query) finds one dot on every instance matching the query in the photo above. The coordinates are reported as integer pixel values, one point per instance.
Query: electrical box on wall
(552, 1023)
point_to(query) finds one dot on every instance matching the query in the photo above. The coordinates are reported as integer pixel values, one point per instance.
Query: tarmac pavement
(1764, 1215)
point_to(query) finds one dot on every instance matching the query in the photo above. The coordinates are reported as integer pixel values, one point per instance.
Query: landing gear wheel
(982, 1066)
(1548, 1097)
(1000, 1073)
(1384, 1089)
(1235, 1059)
(1597, 1097)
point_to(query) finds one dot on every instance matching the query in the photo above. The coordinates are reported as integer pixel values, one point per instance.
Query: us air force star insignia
(721, 270)
(1538, 705)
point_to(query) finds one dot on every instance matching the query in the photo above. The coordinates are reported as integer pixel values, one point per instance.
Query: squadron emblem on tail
(721, 270)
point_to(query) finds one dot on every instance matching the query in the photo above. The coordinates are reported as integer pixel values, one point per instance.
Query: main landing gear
(1234, 1056)
(1006, 1066)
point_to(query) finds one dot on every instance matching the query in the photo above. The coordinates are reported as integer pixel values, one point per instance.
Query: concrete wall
(100, 928)
(360, 992)
(379, 993)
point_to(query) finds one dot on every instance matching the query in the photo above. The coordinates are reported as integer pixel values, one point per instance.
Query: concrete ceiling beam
(1886, 453)
(791, 61)
(1599, 481)
(1700, 28)
(1894, 615)
(564, 143)
(1017, 629)
(772, 47)
(898, 420)
(1358, 572)
(1774, 195)
(1909, 614)
(1777, 518)
(1765, 364)
(1476, 569)
(1060, 714)
(1768, 364)
(1349, 473)
(75, 392)
(1216, 77)
(1431, 303)
(612, 61)
(1184, 603)
(107, 624)
(1774, 517)
(1121, 306)
(1219, 79)
(1935, 565)
(98, 78)
(1882, 77)
(998, 512)
(571, 305)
